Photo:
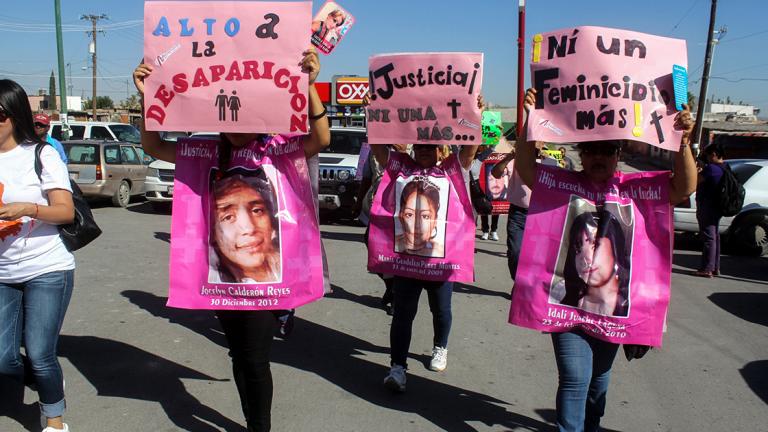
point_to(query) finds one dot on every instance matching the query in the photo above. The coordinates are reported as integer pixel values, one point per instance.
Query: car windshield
(84, 154)
(346, 142)
(126, 133)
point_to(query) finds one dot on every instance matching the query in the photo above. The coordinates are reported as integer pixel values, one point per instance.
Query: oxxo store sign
(349, 90)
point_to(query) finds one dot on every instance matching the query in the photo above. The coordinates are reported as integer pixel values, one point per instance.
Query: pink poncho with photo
(422, 225)
(245, 237)
(599, 260)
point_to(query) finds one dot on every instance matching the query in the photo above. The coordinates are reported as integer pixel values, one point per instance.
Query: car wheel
(161, 206)
(122, 195)
(751, 235)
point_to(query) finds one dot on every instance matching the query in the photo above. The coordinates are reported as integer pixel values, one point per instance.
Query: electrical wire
(684, 16)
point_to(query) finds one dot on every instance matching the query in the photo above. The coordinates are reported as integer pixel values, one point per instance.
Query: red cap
(42, 118)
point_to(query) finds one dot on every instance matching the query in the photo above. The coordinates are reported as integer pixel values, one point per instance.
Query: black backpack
(732, 193)
(83, 229)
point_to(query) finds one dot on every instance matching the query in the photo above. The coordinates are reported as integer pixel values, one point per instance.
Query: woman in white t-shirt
(36, 269)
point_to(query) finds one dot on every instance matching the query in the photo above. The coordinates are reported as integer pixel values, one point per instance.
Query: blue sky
(489, 26)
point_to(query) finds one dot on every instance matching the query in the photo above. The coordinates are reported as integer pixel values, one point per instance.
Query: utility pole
(94, 19)
(62, 89)
(520, 66)
(711, 42)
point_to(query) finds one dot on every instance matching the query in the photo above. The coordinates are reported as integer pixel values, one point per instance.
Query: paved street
(132, 364)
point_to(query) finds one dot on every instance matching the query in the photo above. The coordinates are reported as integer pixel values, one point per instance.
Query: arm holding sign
(498, 169)
(151, 141)
(320, 132)
(683, 181)
(525, 157)
(467, 153)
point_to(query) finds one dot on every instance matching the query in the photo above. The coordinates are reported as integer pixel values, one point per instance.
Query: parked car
(158, 188)
(747, 232)
(107, 169)
(338, 168)
(106, 131)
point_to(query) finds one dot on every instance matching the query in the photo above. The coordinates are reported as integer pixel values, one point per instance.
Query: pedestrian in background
(489, 230)
(36, 269)
(708, 212)
(519, 196)
(42, 127)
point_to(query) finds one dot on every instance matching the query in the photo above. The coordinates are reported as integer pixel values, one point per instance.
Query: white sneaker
(484, 236)
(494, 236)
(439, 359)
(51, 429)
(395, 381)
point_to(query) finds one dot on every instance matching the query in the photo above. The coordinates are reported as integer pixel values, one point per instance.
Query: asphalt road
(131, 363)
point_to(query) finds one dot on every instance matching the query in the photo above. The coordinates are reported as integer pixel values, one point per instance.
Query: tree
(132, 103)
(691, 101)
(52, 91)
(102, 102)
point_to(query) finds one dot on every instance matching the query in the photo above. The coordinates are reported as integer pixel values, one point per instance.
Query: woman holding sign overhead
(596, 260)
(246, 202)
(415, 190)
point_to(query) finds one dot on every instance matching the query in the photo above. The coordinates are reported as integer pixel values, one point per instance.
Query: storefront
(343, 98)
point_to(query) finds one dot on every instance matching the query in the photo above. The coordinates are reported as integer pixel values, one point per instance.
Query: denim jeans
(249, 335)
(709, 221)
(584, 368)
(515, 229)
(36, 309)
(407, 292)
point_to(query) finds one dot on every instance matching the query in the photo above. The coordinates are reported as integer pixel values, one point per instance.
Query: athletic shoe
(494, 236)
(484, 236)
(51, 429)
(439, 359)
(395, 381)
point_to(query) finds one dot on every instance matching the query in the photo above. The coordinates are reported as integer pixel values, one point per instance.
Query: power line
(735, 80)
(745, 36)
(684, 16)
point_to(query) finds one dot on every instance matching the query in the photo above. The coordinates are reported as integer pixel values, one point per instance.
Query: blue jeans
(407, 292)
(584, 368)
(515, 229)
(37, 309)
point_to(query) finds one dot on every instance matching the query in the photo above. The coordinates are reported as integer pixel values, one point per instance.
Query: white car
(102, 131)
(158, 186)
(747, 232)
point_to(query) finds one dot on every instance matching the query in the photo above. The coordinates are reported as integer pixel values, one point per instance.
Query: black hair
(608, 226)
(714, 149)
(14, 101)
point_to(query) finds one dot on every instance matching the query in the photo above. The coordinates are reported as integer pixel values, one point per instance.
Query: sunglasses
(600, 151)
(40, 125)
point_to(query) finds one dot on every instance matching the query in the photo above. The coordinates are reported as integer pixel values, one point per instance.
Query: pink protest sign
(597, 83)
(245, 237)
(596, 259)
(422, 225)
(216, 63)
(425, 98)
(330, 25)
(496, 189)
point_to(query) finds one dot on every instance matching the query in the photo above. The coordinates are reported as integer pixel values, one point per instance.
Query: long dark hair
(607, 227)
(14, 101)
